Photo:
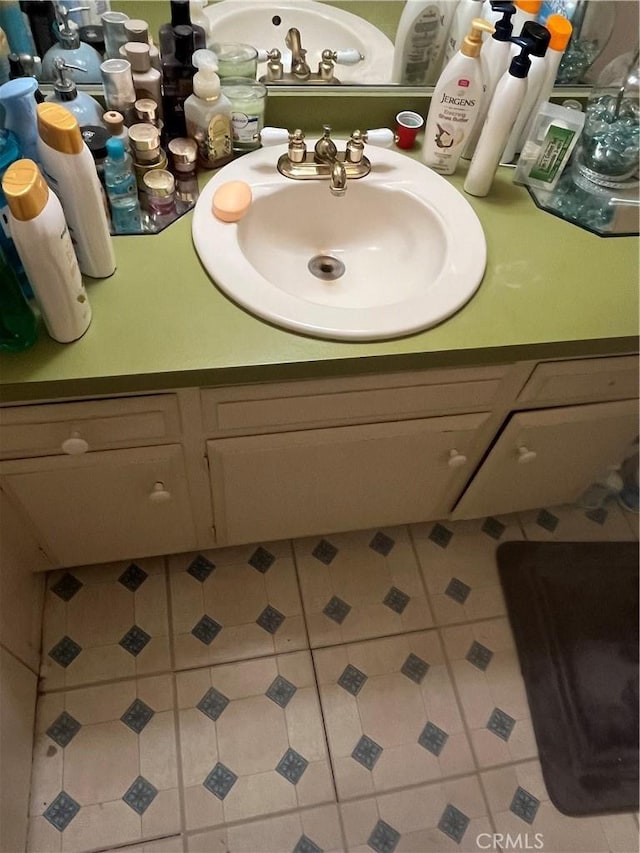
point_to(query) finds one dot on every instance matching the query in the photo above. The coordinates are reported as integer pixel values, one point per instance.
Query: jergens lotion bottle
(41, 237)
(455, 103)
(70, 170)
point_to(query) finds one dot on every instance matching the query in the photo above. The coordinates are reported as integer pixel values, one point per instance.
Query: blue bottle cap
(18, 88)
(115, 148)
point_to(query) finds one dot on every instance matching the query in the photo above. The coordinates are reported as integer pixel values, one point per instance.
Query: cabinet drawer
(102, 424)
(363, 399)
(585, 379)
(105, 506)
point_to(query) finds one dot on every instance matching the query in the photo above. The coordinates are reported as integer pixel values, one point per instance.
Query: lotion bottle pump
(526, 10)
(538, 37)
(455, 103)
(503, 111)
(208, 113)
(494, 59)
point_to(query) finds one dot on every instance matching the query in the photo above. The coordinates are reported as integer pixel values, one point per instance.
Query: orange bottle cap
(560, 29)
(531, 6)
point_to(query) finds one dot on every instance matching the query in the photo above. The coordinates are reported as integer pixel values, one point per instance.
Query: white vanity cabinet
(549, 457)
(99, 480)
(303, 458)
(549, 453)
(120, 478)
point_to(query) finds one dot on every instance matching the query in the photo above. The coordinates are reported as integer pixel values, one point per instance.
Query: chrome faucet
(326, 162)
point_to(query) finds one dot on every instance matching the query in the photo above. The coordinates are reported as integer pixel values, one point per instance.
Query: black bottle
(180, 17)
(41, 17)
(177, 81)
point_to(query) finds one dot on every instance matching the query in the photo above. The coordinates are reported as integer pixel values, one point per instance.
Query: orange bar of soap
(231, 201)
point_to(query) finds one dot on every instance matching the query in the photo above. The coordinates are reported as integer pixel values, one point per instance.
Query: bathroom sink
(265, 24)
(401, 251)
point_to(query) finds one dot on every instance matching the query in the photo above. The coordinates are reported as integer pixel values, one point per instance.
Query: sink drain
(326, 267)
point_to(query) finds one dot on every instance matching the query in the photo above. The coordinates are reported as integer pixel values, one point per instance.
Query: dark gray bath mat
(573, 608)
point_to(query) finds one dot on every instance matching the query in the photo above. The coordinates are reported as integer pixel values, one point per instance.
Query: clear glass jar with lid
(247, 99)
(610, 143)
(160, 189)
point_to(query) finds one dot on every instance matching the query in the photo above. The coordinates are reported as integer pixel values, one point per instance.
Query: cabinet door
(345, 478)
(549, 457)
(99, 507)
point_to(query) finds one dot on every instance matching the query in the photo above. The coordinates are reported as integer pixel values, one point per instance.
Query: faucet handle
(325, 148)
(274, 136)
(348, 56)
(381, 137)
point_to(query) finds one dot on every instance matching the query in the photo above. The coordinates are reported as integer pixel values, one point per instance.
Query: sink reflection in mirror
(383, 260)
(266, 26)
(368, 18)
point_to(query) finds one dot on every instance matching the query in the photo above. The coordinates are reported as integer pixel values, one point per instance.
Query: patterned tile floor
(351, 692)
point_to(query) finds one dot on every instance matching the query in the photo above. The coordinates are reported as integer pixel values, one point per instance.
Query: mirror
(603, 30)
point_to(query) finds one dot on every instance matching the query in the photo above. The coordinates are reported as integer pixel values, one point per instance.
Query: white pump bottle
(455, 104)
(508, 97)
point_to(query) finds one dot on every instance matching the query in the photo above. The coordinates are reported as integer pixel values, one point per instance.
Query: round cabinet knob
(525, 455)
(159, 494)
(456, 460)
(74, 445)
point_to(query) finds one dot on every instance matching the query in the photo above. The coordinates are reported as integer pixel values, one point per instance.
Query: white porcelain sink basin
(401, 251)
(264, 25)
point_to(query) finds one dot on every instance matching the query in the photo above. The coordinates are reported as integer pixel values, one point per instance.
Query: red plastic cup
(407, 126)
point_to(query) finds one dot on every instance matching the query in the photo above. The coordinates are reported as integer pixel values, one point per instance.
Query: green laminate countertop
(551, 290)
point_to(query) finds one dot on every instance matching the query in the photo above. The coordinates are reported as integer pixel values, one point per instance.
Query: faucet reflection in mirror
(300, 70)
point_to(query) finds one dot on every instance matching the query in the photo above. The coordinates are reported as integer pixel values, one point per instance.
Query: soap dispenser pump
(73, 51)
(503, 111)
(65, 92)
(494, 59)
(207, 113)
